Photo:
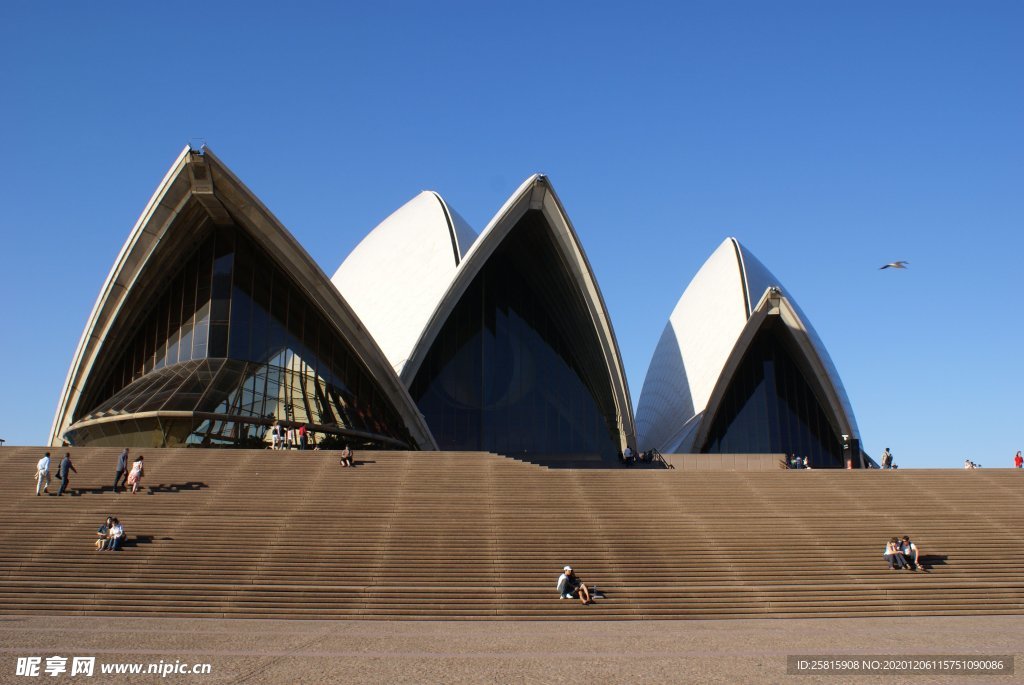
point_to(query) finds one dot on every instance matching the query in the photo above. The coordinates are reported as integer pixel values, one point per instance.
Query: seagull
(895, 265)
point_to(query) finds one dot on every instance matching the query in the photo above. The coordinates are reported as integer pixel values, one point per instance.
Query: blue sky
(830, 138)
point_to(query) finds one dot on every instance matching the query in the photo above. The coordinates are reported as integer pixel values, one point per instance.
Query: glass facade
(770, 407)
(234, 341)
(517, 367)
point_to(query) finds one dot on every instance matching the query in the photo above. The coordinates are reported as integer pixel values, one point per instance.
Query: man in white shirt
(43, 474)
(569, 586)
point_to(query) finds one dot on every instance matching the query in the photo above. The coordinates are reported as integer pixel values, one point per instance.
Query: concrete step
(476, 536)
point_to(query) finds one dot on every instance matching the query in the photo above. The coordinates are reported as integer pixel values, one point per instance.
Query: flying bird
(895, 265)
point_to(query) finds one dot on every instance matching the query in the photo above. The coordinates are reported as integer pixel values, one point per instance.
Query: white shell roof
(700, 335)
(217, 189)
(395, 278)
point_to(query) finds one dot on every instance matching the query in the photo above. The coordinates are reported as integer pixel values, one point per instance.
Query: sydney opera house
(214, 324)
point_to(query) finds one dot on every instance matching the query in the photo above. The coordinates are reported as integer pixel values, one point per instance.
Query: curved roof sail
(395, 277)
(693, 348)
(713, 324)
(199, 222)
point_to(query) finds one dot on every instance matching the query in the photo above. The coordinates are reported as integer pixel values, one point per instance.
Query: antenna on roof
(197, 145)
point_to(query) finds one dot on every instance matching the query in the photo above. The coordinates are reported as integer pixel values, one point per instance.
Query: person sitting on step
(569, 586)
(103, 534)
(346, 456)
(116, 536)
(893, 555)
(911, 554)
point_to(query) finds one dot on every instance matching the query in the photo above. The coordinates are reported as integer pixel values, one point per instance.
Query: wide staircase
(233, 533)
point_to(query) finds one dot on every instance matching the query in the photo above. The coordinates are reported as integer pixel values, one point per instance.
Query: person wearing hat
(569, 586)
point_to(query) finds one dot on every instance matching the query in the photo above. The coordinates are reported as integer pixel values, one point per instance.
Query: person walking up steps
(43, 474)
(63, 472)
(121, 474)
(136, 474)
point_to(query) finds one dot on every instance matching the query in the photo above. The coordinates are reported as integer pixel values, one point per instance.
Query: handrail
(653, 455)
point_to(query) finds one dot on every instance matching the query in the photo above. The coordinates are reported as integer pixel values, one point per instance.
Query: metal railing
(655, 457)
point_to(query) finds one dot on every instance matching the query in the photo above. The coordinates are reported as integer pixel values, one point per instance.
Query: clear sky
(829, 137)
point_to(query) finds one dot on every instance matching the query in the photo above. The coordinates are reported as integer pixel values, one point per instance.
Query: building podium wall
(727, 462)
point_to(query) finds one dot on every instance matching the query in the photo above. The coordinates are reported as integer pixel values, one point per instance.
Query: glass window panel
(148, 345)
(173, 322)
(185, 344)
(292, 363)
(188, 300)
(297, 321)
(218, 340)
(201, 336)
(161, 333)
(517, 366)
(793, 422)
(279, 299)
(259, 336)
(220, 288)
(241, 322)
